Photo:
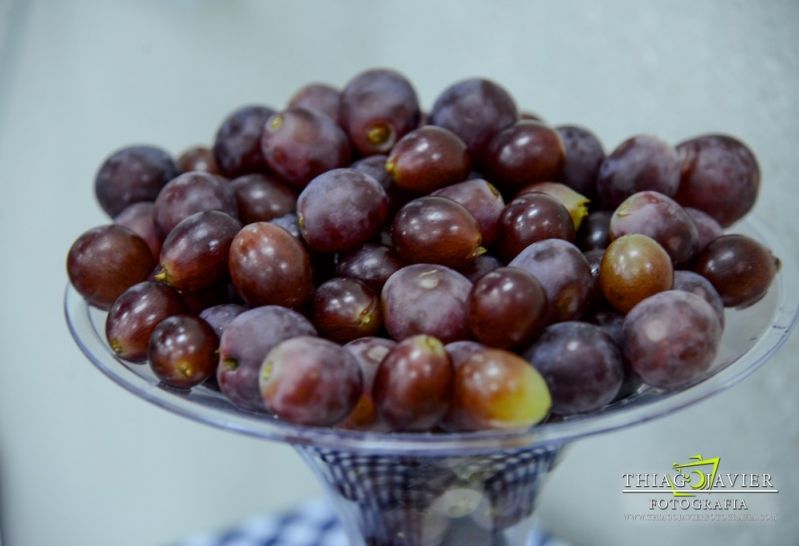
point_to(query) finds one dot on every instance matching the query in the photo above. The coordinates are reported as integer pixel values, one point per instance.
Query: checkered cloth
(311, 524)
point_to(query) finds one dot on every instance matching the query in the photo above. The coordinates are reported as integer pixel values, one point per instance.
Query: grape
(300, 144)
(190, 193)
(575, 203)
(612, 323)
(198, 158)
(262, 197)
(140, 219)
(633, 268)
(132, 174)
(720, 176)
(369, 352)
(135, 314)
(105, 261)
(375, 166)
(378, 107)
(475, 110)
(697, 284)
(530, 218)
(525, 152)
(291, 223)
(269, 266)
(564, 273)
(427, 159)
(370, 264)
(182, 351)
(219, 316)
(478, 267)
(426, 299)
(639, 163)
(594, 259)
(310, 381)
(739, 268)
(482, 200)
(346, 309)
(595, 231)
(653, 214)
(436, 230)
(496, 389)
(507, 308)
(245, 342)
(524, 114)
(237, 147)
(341, 209)
(581, 365)
(195, 254)
(671, 338)
(319, 97)
(413, 384)
(584, 155)
(460, 351)
(201, 299)
(706, 226)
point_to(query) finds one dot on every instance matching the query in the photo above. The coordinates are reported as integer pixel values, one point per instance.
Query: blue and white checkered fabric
(311, 524)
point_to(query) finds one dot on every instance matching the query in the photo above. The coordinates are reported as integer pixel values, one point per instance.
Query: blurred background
(82, 462)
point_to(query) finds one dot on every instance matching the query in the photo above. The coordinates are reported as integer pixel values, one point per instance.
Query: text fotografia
(698, 485)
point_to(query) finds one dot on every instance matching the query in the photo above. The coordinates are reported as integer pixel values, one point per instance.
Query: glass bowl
(426, 489)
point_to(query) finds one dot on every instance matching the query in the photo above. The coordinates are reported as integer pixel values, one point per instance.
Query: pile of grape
(353, 261)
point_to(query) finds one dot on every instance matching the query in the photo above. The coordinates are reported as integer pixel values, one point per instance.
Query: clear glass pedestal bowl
(455, 489)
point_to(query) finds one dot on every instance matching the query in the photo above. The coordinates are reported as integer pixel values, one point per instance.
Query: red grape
(191, 193)
(633, 268)
(237, 147)
(345, 309)
(528, 151)
(140, 219)
(182, 351)
(319, 97)
(370, 264)
(530, 218)
(427, 159)
(584, 155)
(198, 158)
(482, 200)
(262, 197)
(369, 352)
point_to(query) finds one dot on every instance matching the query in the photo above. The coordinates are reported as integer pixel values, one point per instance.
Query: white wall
(84, 463)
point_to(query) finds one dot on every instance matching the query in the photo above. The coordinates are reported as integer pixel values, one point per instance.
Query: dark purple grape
(633, 268)
(581, 365)
(345, 309)
(720, 176)
(378, 107)
(244, 344)
(182, 351)
(369, 352)
(140, 219)
(478, 267)
(370, 264)
(639, 163)
(427, 159)
(482, 200)
(132, 174)
(198, 158)
(237, 147)
(300, 144)
(706, 226)
(653, 214)
(320, 97)
(595, 231)
(460, 351)
(496, 389)
(413, 385)
(594, 259)
(291, 223)
(310, 381)
(219, 316)
(262, 197)
(564, 273)
(530, 218)
(739, 268)
(610, 322)
(507, 308)
(436, 230)
(584, 155)
(341, 209)
(201, 299)
(191, 193)
(475, 110)
(697, 284)
(375, 166)
(269, 266)
(107, 260)
(426, 299)
(134, 316)
(195, 254)
(525, 152)
(671, 338)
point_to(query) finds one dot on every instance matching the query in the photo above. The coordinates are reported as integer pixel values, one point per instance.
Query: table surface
(82, 462)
